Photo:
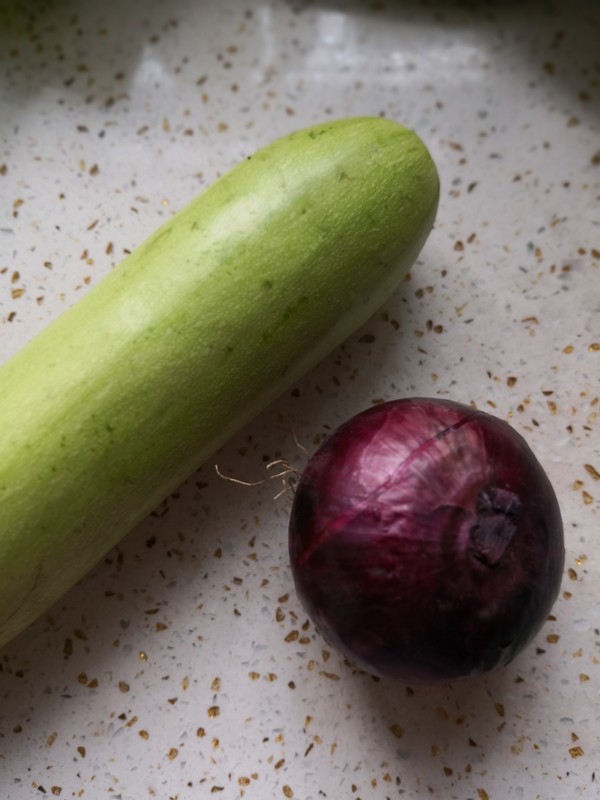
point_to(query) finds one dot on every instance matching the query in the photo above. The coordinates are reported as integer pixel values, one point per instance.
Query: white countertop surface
(183, 666)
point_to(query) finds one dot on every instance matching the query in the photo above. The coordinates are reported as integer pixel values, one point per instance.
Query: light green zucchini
(122, 397)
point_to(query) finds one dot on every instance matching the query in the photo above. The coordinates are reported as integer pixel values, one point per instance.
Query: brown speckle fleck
(331, 676)
(592, 471)
(397, 730)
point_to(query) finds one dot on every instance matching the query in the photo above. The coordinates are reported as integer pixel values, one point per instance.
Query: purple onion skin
(426, 541)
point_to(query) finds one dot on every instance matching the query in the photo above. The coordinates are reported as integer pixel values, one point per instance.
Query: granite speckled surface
(183, 666)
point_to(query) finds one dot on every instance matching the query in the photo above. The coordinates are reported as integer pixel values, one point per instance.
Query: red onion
(426, 541)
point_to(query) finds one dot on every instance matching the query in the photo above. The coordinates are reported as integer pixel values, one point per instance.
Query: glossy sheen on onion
(426, 541)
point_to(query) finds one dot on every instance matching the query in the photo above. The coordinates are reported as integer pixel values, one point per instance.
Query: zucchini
(123, 396)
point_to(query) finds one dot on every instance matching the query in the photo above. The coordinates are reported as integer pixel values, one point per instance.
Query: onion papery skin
(426, 541)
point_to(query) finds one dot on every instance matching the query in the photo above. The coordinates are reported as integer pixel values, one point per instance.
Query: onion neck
(498, 513)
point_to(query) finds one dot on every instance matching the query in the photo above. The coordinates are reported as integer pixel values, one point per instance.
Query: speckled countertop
(184, 666)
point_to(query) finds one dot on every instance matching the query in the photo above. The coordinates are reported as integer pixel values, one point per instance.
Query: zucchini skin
(124, 395)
